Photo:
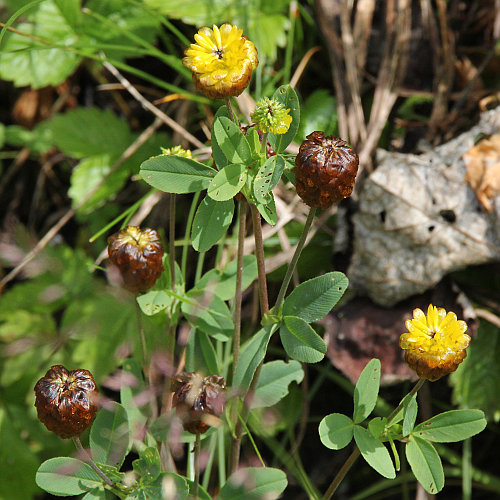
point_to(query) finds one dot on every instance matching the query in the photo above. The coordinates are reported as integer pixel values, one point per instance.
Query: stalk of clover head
(137, 256)
(66, 403)
(435, 345)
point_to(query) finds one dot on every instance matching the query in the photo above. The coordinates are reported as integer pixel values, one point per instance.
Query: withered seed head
(199, 400)
(325, 170)
(66, 401)
(138, 256)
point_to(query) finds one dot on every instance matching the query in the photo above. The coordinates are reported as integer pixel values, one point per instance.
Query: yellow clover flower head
(435, 344)
(177, 151)
(271, 116)
(222, 61)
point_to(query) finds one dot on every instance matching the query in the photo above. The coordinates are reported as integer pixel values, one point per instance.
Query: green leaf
(425, 464)
(410, 415)
(268, 211)
(85, 132)
(200, 354)
(253, 483)
(451, 426)
(228, 182)
(16, 460)
(99, 494)
(288, 97)
(211, 222)
(318, 112)
(476, 383)
(274, 380)
(202, 493)
(154, 301)
(300, 341)
(222, 282)
(175, 174)
(366, 391)
(148, 466)
(231, 141)
(208, 313)
(27, 62)
(88, 174)
(219, 157)
(376, 426)
(176, 486)
(64, 476)
(251, 355)
(374, 452)
(267, 177)
(110, 435)
(315, 298)
(336, 431)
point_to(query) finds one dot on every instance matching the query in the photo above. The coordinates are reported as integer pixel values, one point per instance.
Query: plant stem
(259, 254)
(342, 473)
(145, 364)
(355, 454)
(196, 465)
(263, 149)
(242, 209)
(89, 460)
(230, 111)
(189, 223)
(414, 390)
(295, 258)
(171, 240)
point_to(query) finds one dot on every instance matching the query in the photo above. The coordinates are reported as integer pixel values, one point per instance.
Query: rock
(418, 220)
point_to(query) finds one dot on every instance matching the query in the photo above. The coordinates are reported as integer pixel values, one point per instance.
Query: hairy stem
(259, 254)
(89, 460)
(242, 209)
(196, 465)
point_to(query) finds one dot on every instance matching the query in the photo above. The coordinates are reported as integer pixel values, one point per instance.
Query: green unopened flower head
(271, 116)
(177, 151)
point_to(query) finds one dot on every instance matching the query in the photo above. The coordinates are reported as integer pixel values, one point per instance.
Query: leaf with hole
(268, 211)
(228, 182)
(267, 177)
(300, 340)
(154, 301)
(336, 431)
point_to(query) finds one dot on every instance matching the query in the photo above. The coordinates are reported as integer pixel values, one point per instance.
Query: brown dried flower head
(199, 400)
(66, 401)
(325, 170)
(138, 256)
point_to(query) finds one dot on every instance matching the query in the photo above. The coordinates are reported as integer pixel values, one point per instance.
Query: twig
(151, 107)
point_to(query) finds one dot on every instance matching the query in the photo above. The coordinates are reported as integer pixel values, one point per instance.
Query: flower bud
(222, 61)
(138, 256)
(325, 170)
(271, 116)
(66, 401)
(435, 344)
(177, 151)
(199, 400)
